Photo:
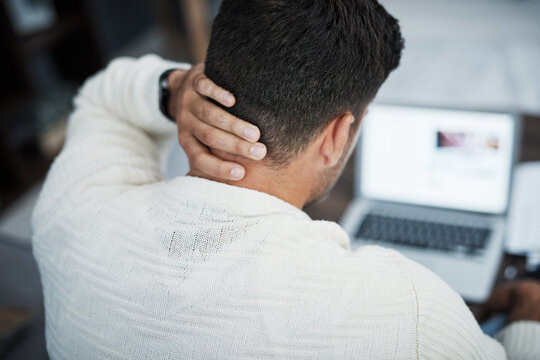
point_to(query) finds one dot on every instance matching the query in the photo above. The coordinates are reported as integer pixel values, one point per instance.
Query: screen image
(443, 158)
(466, 142)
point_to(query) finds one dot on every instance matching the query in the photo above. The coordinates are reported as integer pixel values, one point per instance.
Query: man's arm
(448, 330)
(521, 301)
(446, 327)
(117, 136)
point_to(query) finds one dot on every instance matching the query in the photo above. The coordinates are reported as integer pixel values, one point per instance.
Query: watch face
(165, 83)
(164, 94)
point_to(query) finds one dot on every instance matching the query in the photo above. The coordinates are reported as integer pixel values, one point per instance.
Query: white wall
(468, 53)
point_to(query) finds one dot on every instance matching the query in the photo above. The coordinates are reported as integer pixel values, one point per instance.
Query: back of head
(294, 65)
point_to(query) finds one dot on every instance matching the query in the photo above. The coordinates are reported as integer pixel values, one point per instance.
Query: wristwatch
(165, 94)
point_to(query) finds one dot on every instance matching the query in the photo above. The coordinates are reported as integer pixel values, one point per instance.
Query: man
(204, 267)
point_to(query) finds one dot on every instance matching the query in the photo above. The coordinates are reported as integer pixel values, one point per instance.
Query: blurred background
(480, 54)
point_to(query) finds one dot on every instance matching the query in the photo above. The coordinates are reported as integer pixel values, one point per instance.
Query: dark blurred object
(197, 18)
(42, 65)
(117, 23)
(67, 51)
(31, 139)
(531, 138)
(531, 275)
(13, 320)
(28, 16)
(20, 288)
(186, 26)
(59, 53)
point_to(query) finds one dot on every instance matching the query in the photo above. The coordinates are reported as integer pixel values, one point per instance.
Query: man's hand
(202, 125)
(520, 299)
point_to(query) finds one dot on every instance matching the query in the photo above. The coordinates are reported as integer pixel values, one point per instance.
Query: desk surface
(333, 206)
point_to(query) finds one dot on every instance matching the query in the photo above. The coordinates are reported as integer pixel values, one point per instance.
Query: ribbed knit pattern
(135, 266)
(522, 340)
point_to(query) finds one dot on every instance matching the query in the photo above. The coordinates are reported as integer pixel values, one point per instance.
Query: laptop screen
(442, 158)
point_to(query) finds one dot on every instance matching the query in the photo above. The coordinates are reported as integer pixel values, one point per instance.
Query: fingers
(216, 116)
(501, 300)
(221, 140)
(206, 87)
(201, 159)
(527, 301)
(201, 122)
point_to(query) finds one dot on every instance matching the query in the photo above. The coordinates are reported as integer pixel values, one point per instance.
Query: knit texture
(136, 266)
(522, 340)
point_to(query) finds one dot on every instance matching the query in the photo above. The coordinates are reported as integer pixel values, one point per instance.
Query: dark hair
(294, 65)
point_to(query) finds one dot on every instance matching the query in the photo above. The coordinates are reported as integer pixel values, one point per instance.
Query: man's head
(300, 68)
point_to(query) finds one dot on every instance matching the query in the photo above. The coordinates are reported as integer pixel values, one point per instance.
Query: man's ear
(334, 139)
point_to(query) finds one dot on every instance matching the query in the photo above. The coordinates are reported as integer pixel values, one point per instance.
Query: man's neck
(290, 184)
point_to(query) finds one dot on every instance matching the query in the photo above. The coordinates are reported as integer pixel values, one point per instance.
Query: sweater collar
(239, 200)
(243, 202)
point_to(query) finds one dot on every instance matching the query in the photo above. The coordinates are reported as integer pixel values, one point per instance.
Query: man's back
(137, 267)
(191, 268)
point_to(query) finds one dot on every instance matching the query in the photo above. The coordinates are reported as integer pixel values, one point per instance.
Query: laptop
(434, 185)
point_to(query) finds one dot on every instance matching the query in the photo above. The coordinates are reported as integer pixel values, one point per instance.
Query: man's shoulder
(385, 272)
(380, 269)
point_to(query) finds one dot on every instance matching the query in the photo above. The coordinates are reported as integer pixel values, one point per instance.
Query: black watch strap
(165, 94)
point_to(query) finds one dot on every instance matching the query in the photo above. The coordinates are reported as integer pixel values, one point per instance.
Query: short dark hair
(294, 65)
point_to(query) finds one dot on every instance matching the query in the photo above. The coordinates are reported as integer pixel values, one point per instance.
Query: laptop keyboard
(424, 234)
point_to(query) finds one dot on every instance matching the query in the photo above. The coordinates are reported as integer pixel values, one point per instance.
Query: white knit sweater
(135, 266)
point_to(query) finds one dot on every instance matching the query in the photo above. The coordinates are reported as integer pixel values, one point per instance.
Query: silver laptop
(434, 185)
